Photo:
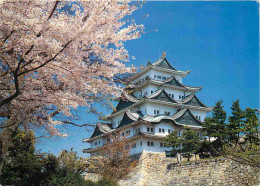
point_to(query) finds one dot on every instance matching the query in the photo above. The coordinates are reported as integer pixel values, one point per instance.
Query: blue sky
(217, 41)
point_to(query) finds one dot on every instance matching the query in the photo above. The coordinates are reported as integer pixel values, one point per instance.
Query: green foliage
(107, 181)
(215, 127)
(67, 169)
(251, 127)
(173, 140)
(190, 142)
(25, 167)
(234, 127)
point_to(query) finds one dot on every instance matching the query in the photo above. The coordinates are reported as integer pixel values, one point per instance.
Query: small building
(153, 104)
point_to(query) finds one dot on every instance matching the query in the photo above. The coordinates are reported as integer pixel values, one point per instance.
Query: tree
(215, 127)
(67, 170)
(251, 127)
(190, 142)
(173, 140)
(235, 123)
(23, 167)
(57, 55)
(114, 160)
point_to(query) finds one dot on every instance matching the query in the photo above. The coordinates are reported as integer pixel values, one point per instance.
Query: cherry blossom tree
(53, 61)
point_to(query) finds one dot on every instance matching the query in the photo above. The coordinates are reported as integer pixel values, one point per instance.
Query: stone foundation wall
(155, 169)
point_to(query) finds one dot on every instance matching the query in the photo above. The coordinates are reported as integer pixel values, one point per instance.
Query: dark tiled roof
(128, 118)
(193, 100)
(186, 117)
(173, 81)
(162, 96)
(163, 63)
(123, 104)
(101, 128)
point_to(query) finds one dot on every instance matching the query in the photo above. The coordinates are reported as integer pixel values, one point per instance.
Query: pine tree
(173, 140)
(251, 127)
(190, 142)
(235, 123)
(215, 127)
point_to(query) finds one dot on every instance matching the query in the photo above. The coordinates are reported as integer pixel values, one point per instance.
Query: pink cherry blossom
(52, 62)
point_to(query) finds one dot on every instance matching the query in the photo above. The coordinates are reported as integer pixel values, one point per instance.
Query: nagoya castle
(154, 103)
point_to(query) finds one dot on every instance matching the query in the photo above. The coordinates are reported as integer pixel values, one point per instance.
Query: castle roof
(183, 117)
(162, 65)
(162, 96)
(169, 82)
(125, 101)
(193, 100)
(101, 128)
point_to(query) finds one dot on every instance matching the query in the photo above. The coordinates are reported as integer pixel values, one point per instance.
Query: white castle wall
(155, 148)
(153, 72)
(149, 108)
(163, 125)
(116, 119)
(200, 113)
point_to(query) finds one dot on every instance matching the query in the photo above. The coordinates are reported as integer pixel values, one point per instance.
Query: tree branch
(53, 10)
(45, 63)
(83, 125)
(8, 36)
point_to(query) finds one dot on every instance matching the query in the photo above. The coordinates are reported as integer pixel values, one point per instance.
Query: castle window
(167, 113)
(169, 131)
(159, 77)
(199, 117)
(154, 76)
(179, 96)
(182, 97)
(161, 130)
(151, 91)
(149, 129)
(172, 95)
(150, 143)
(123, 134)
(141, 143)
(164, 78)
(127, 132)
(137, 130)
(99, 142)
(95, 143)
(134, 145)
(161, 144)
(156, 112)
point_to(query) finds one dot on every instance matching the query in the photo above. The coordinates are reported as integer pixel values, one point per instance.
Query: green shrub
(107, 181)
